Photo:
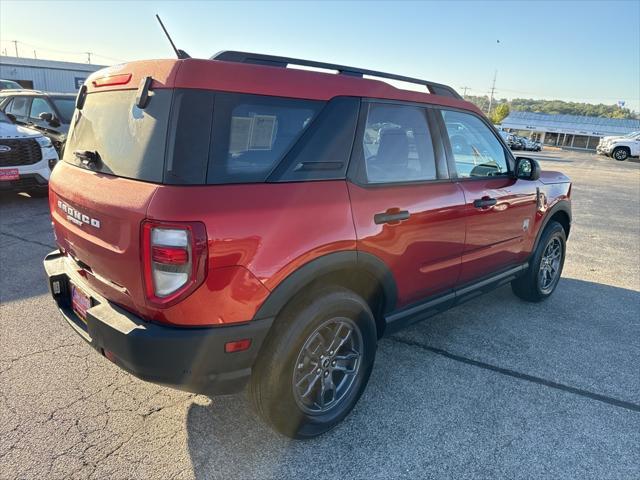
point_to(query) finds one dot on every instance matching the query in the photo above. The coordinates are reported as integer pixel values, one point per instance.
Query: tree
(500, 113)
(552, 107)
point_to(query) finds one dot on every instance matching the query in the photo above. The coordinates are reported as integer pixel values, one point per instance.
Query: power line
(67, 52)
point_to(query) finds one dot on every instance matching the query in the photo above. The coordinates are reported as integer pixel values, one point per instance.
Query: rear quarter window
(252, 133)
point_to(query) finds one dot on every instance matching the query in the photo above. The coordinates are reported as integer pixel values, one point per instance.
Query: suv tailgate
(96, 219)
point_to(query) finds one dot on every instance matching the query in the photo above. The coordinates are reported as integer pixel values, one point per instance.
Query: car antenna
(180, 53)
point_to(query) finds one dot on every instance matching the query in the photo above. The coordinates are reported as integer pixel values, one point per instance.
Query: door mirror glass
(46, 116)
(527, 168)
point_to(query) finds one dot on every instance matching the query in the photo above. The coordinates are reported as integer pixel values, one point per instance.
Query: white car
(607, 145)
(26, 158)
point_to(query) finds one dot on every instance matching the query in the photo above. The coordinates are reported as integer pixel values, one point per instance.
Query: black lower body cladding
(189, 359)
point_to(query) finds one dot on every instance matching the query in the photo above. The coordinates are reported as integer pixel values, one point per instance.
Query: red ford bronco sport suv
(233, 221)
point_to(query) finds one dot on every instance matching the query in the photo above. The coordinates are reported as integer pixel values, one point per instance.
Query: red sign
(7, 174)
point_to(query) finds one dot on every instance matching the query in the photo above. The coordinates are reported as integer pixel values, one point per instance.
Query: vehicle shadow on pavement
(425, 414)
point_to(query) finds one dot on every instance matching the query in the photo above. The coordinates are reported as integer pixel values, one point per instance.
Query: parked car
(507, 137)
(254, 224)
(532, 145)
(518, 143)
(49, 113)
(26, 158)
(9, 85)
(619, 147)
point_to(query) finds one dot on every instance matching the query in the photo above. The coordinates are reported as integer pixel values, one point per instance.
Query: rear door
(406, 210)
(500, 209)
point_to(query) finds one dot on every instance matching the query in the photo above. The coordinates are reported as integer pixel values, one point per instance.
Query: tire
(620, 154)
(535, 285)
(287, 366)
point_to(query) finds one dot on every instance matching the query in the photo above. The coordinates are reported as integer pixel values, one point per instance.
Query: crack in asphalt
(35, 242)
(522, 376)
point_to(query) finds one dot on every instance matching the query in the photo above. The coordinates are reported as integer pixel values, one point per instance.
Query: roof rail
(283, 62)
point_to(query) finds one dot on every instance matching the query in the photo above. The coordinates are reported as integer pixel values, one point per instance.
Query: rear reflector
(237, 345)
(121, 79)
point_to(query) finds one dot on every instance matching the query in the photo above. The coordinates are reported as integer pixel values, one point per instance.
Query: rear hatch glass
(129, 141)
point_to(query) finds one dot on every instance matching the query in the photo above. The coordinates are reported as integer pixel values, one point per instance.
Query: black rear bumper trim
(189, 359)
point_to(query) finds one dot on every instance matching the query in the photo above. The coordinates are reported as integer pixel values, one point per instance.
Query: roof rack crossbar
(283, 62)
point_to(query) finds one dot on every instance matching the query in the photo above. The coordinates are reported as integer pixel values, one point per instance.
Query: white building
(46, 75)
(570, 131)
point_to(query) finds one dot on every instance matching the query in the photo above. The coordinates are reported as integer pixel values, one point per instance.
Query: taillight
(174, 259)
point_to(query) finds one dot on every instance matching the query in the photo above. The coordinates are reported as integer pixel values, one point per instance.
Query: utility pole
(493, 89)
(88, 57)
(15, 44)
(34, 55)
(464, 91)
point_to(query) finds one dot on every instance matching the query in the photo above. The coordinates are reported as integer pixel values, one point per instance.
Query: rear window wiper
(88, 158)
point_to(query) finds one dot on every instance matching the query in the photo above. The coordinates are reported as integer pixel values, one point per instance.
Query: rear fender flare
(324, 265)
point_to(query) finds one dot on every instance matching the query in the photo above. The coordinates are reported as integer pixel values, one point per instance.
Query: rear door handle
(390, 216)
(484, 202)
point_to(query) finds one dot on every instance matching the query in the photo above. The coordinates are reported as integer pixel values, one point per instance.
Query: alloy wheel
(550, 265)
(327, 366)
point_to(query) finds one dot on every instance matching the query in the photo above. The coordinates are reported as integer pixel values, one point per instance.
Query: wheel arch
(361, 272)
(561, 213)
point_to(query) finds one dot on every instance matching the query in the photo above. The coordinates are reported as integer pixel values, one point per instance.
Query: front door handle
(391, 216)
(484, 202)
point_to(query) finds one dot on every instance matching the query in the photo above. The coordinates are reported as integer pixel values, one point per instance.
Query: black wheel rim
(550, 265)
(327, 366)
(620, 155)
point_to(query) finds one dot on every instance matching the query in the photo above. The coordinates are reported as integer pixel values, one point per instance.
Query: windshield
(66, 106)
(4, 118)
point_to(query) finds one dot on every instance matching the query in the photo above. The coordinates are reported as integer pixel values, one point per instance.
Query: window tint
(476, 150)
(252, 133)
(130, 142)
(18, 106)
(66, 106)
(397, 145)
(323, 152)
(38, 106)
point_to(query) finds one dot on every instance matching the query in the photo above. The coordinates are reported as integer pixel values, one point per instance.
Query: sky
(575, 51)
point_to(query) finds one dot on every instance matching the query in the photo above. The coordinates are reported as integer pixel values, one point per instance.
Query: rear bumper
(190, 359)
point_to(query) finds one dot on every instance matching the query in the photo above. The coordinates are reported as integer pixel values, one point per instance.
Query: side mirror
(12, 117)
(527, 168)
(46, 116)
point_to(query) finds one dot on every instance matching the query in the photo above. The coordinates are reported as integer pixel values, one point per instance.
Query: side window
(397, 144)
(476, 150)
(18, 107)
(251, 134)
(38, 106)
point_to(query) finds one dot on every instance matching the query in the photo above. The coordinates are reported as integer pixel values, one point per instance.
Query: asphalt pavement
(495, 388)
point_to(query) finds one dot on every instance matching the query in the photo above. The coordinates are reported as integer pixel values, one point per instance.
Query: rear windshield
(188, 137)
(130, 141)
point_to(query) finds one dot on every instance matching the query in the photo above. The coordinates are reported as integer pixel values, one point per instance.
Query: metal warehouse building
(570, 131)
(47, 75)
